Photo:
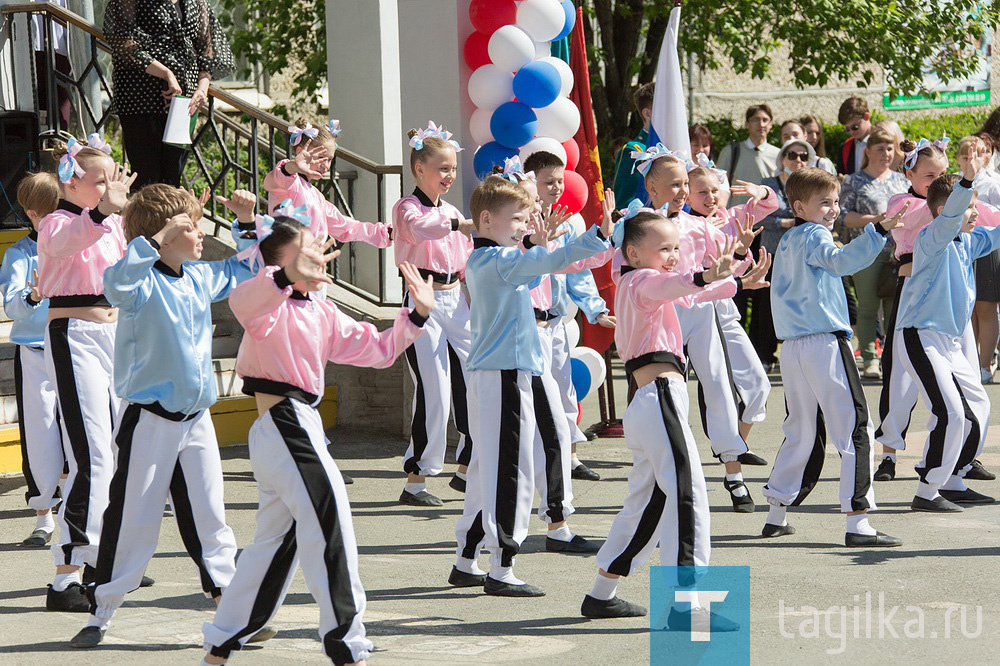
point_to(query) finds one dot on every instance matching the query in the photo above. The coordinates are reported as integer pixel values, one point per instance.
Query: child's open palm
(721, 265)
(891, 223)
(548, 230)
(421, 289)
(304, 159)
(608, 208)
(36, 293)
(756, 277)
(742, 188)
(309, 263)
(746, 234)
(116, 190)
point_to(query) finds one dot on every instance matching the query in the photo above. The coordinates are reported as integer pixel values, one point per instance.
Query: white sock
(954, 482)
(927, 491)
(505, 575)
(414, 488)
(62, 581)
(890, 456)
(574, 462)
(469, 566)
(562, 534)
(101, 623)
(776, 516)
(604, 588)
(45, 522)
(740, 491)
(461, 475)
(858, 524)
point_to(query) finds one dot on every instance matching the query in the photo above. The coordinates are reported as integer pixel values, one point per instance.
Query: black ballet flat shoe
(348, 481)
(776, 530)
(423, 498)
(583, 473)
(742, 504)
(751, 458)
(936, 505)
(457, 483)
(496, 588)
(577, 545)
(967, 496)
(71, 600)
(681, 620)
(608, 608)
(886, 470)
(266, 633)
(38, 539)
(462, 579)
(878, 540)
(88, 637)
(979, 473)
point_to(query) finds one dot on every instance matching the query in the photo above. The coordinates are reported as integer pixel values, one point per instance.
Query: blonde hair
(87, 157)
(39, 193)
(807, 182)
(661, 163)
(433, 146)
(702, 172)
(148, 210)
(493, 194)
(876, 138)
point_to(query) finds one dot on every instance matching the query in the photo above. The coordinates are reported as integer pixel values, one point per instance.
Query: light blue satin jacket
(579, 288)
(28, 320)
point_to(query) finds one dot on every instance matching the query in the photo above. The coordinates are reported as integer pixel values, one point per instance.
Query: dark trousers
(147, 155)
(63, 107)
(761, 327)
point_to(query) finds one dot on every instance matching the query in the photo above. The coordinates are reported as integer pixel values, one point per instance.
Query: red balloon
(476, 51)
(576, 194)
(489, 15)
(572, 154)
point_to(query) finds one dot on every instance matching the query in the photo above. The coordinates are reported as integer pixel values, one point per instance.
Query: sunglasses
(802, 157)
(854, 128)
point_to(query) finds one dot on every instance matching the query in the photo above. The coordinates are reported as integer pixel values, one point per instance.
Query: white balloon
(559, 120)
(572, 332)
(490, 86)
(511, 48)
(543, 143)
(594, 363)
(579, 226)
(479, 126)
(565, 73)
(543, 50)
(542, 19)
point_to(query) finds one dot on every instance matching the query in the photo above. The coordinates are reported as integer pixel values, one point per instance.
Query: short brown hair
(493, 194)
(853, 107)
(433, 145)
(806, 182)
(148, 210)
(643, 97)
(940, 190)
(752, 111)
(39, 192)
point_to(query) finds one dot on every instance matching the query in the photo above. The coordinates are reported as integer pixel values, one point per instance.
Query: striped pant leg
(977, 405)
(562, 372)
(718, 398)
(38, 422)
(667, 502)
(79, 357)
(196, 495)
(751, 380)
(899, 396)
(552, 452)
(469, 531)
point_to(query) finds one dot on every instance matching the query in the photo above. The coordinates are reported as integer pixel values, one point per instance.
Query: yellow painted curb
(10, 450)
(9, 237)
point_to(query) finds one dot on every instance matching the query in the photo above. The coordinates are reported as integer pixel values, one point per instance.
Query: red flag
(593, 336)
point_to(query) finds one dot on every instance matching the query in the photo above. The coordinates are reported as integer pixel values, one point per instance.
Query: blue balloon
(537, 84)
(581, 378)
(513, 124)
(490, 155)
(570, 10)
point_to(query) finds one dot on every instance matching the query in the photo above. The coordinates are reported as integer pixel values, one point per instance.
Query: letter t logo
(701, 623)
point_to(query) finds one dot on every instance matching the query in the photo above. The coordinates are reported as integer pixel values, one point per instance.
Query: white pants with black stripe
(949, 384)
(553, 447)
(79, 358)
(437, 365)
(562, 372)
(667, 502)
(751, 380)
(822, 383)
(159, 457)
(42, 455)
(303, 516)
(718, 397)
(501, 479)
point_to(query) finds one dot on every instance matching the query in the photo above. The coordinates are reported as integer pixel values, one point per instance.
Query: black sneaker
(742, 504)
(462, 579)
(751, 458)
(457, 483)
(38, 539)
(576, 545)
(348, 481)
(681, 620)
(880, 540)
(495, 588)
(937, 505)
(886, 470)
(590, 435)
(967, 496)
(583, 473)
(614, 607)
(90, 577)
(87, 637)
(71, 600)
(771, 530)
(423, 498)
(980, 473)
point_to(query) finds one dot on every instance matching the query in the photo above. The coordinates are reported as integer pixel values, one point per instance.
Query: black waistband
(79, 301)
(254, 385)
(546, 315)
(176, 417)
(906, 258)
(439, 278)
(632, 365)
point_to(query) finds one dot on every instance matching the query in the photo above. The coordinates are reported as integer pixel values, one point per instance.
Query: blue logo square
(681, 638)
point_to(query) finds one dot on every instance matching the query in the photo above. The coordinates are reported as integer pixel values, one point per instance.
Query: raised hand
(36, 294)
(756, 276)
(242, 203)
(309, 263)
(746, 234)
(202, 198)
(891, 223)
(607, 321)
(421, 289)
(175, 226)
(116, 190)
(303, 161)
(548, 229)
(742, 188)
(977, 161)
(608, 208)
(721, 266)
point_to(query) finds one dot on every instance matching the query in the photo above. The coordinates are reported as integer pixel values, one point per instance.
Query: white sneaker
(985, 375)
(873, 370)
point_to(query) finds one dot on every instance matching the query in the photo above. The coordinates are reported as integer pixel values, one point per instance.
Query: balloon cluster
(521, 92)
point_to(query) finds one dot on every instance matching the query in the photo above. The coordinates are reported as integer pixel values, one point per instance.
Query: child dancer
(936, 337)
(165, 440)
(313, 151)
(817, 364)
(668, 186)
(41, 445)
(748, 374)
(577, 285)
(506, 380)
(76, 243)
(292, 331)
(667, 500)
(432, 235)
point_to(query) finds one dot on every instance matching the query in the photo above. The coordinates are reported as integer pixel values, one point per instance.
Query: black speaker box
(18, 156)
